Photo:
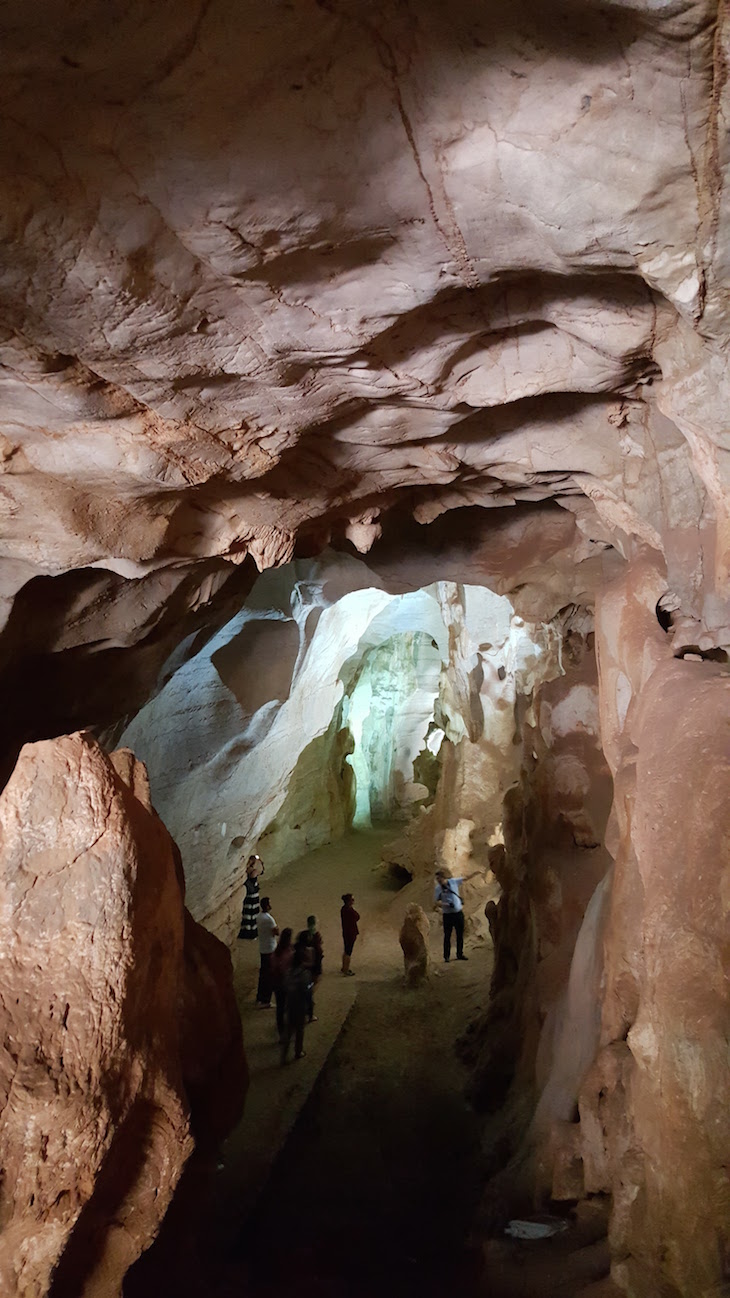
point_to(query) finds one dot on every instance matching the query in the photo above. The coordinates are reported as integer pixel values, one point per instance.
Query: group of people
(290, 968)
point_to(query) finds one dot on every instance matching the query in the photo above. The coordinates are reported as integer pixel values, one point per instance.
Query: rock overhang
(277, 278)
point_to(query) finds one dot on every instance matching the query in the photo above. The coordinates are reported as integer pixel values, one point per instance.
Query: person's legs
(263, 995)
(280, 996)
(299, 1036)
(459, 929)
(448, 925)
(286, 1036)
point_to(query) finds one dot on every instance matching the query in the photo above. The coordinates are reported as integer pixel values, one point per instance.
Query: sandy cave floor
(358, 1170)
(351, 1165)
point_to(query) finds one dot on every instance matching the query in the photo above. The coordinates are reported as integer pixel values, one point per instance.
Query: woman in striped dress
(254, 869)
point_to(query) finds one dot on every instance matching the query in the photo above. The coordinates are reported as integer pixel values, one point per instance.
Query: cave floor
(355, 1171)
(378, 1160)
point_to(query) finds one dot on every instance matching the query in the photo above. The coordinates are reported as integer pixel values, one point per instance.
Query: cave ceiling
(275, 275)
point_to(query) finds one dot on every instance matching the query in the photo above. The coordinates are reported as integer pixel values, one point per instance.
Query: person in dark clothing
(350, 930)
(254, 870)
(281, 962)
(316, 957)
(297, 984)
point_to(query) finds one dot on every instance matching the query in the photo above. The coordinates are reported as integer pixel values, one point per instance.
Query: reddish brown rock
(94, 1116)
(213, 1063)
(672, 1195)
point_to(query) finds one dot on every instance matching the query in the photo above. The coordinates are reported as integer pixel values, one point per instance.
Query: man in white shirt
(446, 896)
(267, 930)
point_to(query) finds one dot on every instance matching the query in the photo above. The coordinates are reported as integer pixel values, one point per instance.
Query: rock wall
(390, 708)
(100, 1061)
(224, 737)
(654, 1108)
(493, 660)
(541, 1028)
(607, 1029)
(319, 806)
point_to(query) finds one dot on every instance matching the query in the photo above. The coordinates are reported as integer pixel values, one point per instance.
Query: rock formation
(98, 1070)
(414, 943)
(442, 285)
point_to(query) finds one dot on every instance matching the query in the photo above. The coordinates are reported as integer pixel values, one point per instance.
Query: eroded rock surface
(414, 943)
(311, 265)
(667, 971)
(96, 1071)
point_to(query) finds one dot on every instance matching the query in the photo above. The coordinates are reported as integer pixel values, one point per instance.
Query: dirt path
(376, 1188)
(356, 1170)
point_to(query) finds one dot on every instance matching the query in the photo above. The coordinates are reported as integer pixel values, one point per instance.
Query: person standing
(251, 905)
(316, 956)
(267, 930)
(298, 986)
(281, 962)
(448, 899)
(350, 930)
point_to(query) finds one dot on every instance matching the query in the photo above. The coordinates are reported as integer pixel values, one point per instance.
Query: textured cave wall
(390, 690)
(88, 648)
(606, 1033)
(390, 708)
(493, 660)
(319, 806)
(654, 1107)
(271, 273)
(541, 1028)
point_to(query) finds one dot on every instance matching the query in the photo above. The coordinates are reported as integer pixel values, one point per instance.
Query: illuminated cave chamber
(319, 704)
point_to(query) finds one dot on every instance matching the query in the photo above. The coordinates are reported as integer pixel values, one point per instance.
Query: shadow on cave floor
(357, 1170)
(377, 1185)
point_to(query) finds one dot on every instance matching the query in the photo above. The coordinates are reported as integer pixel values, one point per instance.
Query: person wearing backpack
(448, 899)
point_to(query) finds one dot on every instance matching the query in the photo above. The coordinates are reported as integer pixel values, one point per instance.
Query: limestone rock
(673, 1197)
(215, 1075)
(414, 942)
(94, 1115)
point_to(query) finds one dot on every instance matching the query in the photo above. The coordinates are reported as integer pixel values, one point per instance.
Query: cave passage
(356, 1170)
(365, 507)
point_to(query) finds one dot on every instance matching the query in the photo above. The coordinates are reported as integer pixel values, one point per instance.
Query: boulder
(414, 941)
(95, 983)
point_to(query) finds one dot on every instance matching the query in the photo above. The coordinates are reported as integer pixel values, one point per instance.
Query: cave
(365, 512)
